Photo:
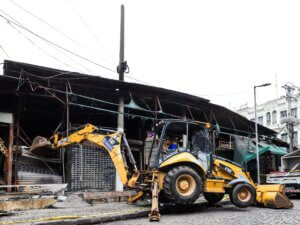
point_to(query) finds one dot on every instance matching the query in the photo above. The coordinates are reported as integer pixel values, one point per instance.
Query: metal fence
(89, 167)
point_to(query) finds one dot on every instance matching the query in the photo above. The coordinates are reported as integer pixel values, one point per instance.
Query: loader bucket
(273, 196)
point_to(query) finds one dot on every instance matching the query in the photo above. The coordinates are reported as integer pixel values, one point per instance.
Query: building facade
(270, 113)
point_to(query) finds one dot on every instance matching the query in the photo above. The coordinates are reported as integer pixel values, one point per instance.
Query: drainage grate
(90, 167)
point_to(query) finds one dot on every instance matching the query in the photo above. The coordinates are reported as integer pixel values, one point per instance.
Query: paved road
(225, 214)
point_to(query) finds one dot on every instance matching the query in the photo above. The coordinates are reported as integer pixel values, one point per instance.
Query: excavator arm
(110, 142)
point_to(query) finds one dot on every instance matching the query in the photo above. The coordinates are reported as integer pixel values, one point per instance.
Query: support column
(9, 158)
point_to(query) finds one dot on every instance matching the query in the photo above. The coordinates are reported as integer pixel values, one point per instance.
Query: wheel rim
(185, 184)
(244, 195)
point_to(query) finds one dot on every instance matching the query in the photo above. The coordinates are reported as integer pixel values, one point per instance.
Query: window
(268, 118)
(274, 117)
(294, 112)
(260, 120)
(283, 114)
(284, 137)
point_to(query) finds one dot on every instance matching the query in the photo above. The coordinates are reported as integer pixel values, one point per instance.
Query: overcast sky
(215, 49)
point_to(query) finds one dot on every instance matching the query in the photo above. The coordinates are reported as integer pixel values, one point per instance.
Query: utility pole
(289, 89)
(256, 131)
(122, 67)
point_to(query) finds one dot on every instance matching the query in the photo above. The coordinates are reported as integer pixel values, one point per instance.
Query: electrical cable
(45, 22)
(39, 48)
(48, 44)
(52, 27)
(4, 51)
(57, 45)
(69, 57)
(87, 26)
(132, 78)
(111, 111)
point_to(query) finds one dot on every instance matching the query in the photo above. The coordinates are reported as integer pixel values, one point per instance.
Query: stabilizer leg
(154, 214)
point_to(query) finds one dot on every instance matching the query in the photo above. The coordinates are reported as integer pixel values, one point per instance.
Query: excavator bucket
(273, 196)
(39, 143)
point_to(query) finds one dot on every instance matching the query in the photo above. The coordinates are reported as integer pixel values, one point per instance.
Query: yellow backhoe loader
(180, 172)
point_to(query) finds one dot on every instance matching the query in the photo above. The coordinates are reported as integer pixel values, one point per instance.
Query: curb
(96, 220)
(84, 219)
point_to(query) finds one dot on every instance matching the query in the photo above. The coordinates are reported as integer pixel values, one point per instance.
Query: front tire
(213, 198)
(182, 185)
(242, 195)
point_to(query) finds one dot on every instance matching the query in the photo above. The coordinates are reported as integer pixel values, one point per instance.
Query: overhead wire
(39, 48)
(140, 81)
(52, 27)
(69, 57)
(54, 44)
(52, 56)
(2, 48)
(45, 22)
(87, 26)
(15, 22)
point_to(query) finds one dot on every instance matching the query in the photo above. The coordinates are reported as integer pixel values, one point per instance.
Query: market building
(38, 101)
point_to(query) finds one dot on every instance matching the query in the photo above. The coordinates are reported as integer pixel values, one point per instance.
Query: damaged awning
(43, 90)
(245, 149)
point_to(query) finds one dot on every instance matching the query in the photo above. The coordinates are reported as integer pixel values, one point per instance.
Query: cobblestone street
(224, 214)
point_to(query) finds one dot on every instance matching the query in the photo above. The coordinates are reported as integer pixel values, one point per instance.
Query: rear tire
(242, 195)
(182, 185)
(213, 198)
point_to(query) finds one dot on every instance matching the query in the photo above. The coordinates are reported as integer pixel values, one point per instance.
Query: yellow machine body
(226, 174)
(182, 158)
(223, 175)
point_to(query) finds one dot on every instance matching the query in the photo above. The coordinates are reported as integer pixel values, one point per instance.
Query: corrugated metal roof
(99, 87)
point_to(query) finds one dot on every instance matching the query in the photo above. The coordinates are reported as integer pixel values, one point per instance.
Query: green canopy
(272, 148)
(245, 149)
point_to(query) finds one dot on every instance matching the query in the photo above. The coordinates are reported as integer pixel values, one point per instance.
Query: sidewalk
(75, 211)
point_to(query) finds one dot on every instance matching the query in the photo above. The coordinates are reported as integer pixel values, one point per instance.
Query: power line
(132, 78)
(69, 57)
(45, 22)
(52, 27)
(26, 37)
(4, 51)
(14, 21)
(57, 45)
(35, 45)
(87, 26)
(39, 48)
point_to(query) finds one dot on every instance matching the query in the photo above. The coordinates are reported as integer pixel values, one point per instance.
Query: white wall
(278, 105)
